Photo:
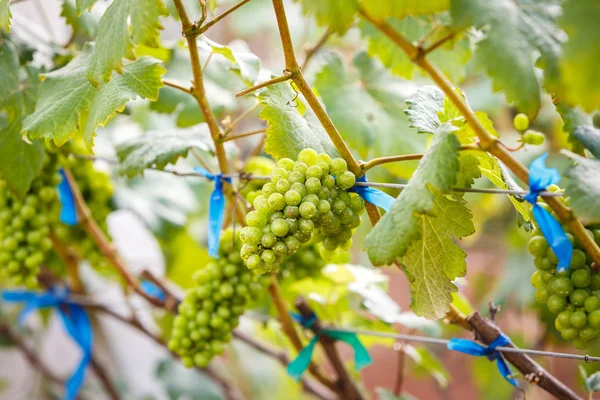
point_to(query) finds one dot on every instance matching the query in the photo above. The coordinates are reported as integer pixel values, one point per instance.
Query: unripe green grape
(569, 333)
(313, 185)
(276, 215)
(292, 198)
(308, 156)
(300, 167)
(308, 210)
(268, 189)
(564, 318)
(533, 137)
(577, 259)
(345, 180)
(251, 235)
(338, 206)
(268, 240)
(578, 319)
(282, 186)
(276, 201)
(292, 244)
(521, 122)
(280, 227)
(328, 181)
(300, 188)
(578, 296)
(323, 193)
(538, 246)
(314, 171)
(338, 166)
(581, 278)
(595, 284)
(562, 286)
(291, 212)
(256, 219)
(551, 256)
(279, 174)
(285, 163)
(592, 303)
(555, 303)
(253, 262)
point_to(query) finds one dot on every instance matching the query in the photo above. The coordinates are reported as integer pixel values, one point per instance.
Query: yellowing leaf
(5, 15)
(337, 15)
(383, 9)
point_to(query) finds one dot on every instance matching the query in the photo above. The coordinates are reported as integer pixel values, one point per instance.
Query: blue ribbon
(75, 321)
(373, 196)
(297, 367)
(475, 349)
(68, 212)
(152, 290)
(216, 210)
(540, 177)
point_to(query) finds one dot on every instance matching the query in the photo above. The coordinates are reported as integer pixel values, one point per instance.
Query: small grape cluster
(307, 198)
(306, 263)
(528, 136)
(96, 189)
(569, 294)
(25, 225)
(210, 311)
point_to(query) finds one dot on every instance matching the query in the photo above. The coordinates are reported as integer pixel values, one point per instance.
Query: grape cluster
(307, 198)
(306, 263)
(96, 189)
(528, 136)
(25, 225)
(257, 165)
(569, 294)
(211, 310)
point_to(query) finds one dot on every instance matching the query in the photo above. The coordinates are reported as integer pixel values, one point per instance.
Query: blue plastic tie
(68, 212)
(373, 196)
(475, 349)
(540, 177)
(153, 290)
(74, 319)
(216, 210)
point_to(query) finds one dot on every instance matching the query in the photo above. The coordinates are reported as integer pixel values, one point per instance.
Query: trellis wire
(437, 341)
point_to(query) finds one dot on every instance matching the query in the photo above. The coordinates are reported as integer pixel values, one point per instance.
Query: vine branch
(243, 135)
(177, 86)
(405, 157)
(193, 30)
(287, 75)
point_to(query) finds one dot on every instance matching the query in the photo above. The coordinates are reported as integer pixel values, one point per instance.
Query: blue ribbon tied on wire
(74, 319)
(153, 290)
(373, 196)
(216, 210)
(68, 212)
(540, 177)
(297, 367)
(475, 349)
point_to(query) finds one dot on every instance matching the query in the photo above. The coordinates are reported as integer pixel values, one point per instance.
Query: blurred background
(161, 221)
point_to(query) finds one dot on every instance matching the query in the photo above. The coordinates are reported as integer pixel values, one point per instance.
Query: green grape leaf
(383, 9)
(581, 54)
(580, 128)
(450, 58)
(583, 188)
(400, 227)
(157, 148)
(290, 130)
(113, 42)
(86, 23)
(366, 107)
(5, 15)
(429, 109)
(245, 64)
(434, 261)
(427, 364)
(506, 52)
(68, 102)
(83, 5)
(337, 15)
(10, 94)
(20, 161)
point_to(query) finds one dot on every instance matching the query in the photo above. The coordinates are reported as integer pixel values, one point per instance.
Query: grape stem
(287, 75)
(404, 157)
(487, 141)
(177, 86)
(310, 52)
(195, 30)
(243, 135)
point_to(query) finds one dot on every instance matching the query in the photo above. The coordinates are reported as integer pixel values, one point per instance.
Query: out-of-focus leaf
(488, 380)
(187, 257)
(428, 364)
(385, 394)
(383, 9)
(583, 188)
(5, 15)
(82, 5)
(506, 52)
(337, 15)
(181, 382)
(289, 131)
(593, 382)
(580, 128)
(68, 102)
(10, 92)
(245, 63)
(84, 23)
(451, 58)
(581, 54)
(159, 148)
(366, 107)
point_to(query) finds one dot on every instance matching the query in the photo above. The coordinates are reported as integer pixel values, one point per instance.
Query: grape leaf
(366, 107)
(5, 15)
(400, 227)
(68, 102)
(383, 9)
(20, 162)
(428, 364)
(429, 109)
(433, 261)
(583, 188)
(337, 15)
(157, 148)
(83, 5)
(450, 58)
(289, 130)
(245, 63)
(86, 24)
(507, 51)
(580, 128)
(581, 54)
(9, 79)
(113, 42)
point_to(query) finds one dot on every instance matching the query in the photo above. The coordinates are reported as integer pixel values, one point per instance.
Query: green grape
(308, 156)
(538, 246)
(533, 137)
(569, 333)
(280, 227)
(542, 294)
(556, 303)
(578, 319)
(562, 286)
(581, 278)
(578, 296)
(276, 201)
(577, 259)
(345, 180)
(594, 319)
(338, 166)
(591, 303)
(521, 122)
(211, 309)
(595, 283)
